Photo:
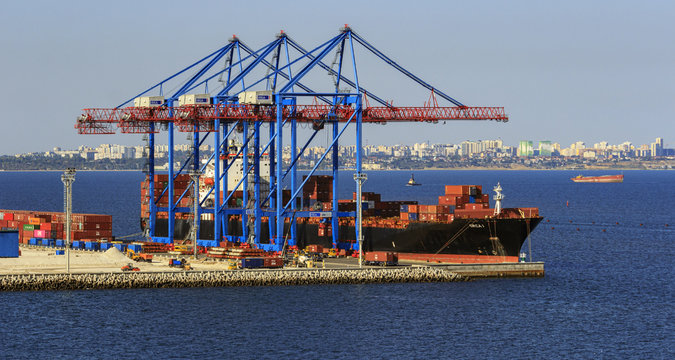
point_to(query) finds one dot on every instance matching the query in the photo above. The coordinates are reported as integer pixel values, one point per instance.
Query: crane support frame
(225, 115)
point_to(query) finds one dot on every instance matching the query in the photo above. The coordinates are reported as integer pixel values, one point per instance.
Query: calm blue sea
(608, 290)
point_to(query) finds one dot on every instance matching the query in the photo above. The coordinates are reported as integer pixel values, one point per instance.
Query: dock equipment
(255, 89)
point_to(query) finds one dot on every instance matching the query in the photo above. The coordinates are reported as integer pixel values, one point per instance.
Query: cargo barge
(598, 179)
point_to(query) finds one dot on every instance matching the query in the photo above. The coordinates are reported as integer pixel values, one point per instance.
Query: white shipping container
(149, 101)
(263, 97)
(194, 99)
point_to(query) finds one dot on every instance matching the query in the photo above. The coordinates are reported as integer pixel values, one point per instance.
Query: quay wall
(136, 280)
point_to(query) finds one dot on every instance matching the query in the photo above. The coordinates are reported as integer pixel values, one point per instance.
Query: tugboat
(412, 181)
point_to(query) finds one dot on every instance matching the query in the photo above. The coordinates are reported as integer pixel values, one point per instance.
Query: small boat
(412, 182)
(598, 179)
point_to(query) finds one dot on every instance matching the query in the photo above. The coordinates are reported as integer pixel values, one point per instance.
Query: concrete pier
(498, 270)
(135, 280)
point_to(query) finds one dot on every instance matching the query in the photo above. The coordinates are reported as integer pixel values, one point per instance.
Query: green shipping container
(29, 227)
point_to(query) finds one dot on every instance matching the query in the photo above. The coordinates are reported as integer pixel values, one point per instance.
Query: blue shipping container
(163, 240)
(121, 247)
(404, 208)
(32, 241)
(77, 244)
(207, 243)
(412, 216)
(60, 252)
(91, 245)
(135, 247)
(252, 263)
(106, 246)
(60, 243)
(9, 243)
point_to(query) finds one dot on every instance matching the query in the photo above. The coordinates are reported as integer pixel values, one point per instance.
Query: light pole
(360, 178)
(195, 208)
(68, 179)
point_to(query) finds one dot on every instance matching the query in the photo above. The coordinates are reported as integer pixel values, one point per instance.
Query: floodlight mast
(68, 178)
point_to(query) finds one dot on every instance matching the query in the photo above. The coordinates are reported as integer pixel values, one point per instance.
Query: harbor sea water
(607, 293)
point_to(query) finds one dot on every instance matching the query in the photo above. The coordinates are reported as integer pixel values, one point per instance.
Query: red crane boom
(188, 118)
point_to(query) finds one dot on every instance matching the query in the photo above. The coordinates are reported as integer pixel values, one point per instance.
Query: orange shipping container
(456, 190)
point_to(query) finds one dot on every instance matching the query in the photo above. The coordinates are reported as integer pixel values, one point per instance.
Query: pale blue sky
(564, 70)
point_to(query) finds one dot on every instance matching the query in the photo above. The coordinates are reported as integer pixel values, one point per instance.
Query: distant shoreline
(477, 168)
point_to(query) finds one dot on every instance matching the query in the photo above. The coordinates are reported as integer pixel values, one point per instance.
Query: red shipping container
(273, 262)
(382, 256)
(446, 200)
(413, 208)
(315, 248)
(471, 214)
(405, 216)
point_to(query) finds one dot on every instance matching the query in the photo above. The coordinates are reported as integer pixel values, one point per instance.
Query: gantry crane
(281, 105)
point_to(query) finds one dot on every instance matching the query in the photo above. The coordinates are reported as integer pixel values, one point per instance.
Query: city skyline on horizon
(549, 146)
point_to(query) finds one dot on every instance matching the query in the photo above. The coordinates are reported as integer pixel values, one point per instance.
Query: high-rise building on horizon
(657, 147)
(525, 148)
(545, 148)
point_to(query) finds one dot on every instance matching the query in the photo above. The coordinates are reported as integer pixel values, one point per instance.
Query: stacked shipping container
(459, 201)
(181, 183)
(319, 188)
(51, 225)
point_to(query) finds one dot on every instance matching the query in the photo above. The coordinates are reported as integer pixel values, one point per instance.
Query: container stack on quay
(48, 228)
(247, 258)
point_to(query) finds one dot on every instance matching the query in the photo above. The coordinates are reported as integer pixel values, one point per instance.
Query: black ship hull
(494, 237)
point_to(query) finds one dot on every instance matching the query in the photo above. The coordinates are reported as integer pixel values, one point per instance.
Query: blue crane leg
(216, 182)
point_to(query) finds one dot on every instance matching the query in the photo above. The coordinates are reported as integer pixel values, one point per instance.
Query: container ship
(598, 179)
(461, 227)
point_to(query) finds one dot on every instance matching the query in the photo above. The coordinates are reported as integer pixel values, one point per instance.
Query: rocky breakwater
(136, 280)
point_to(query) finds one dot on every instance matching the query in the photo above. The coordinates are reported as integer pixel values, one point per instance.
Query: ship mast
(498, 198)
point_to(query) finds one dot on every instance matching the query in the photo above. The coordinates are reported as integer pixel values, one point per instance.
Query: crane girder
(138, 120)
